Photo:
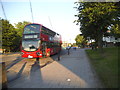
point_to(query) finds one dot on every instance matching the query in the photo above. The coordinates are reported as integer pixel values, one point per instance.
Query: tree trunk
(100, 42)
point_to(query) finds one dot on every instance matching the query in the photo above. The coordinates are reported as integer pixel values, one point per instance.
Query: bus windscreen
(31, 29)
(30, 45)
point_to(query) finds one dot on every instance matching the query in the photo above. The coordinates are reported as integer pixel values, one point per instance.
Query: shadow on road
(35, 75)
(18, 75)
(21, 70)
(14, 62)
(35, 66)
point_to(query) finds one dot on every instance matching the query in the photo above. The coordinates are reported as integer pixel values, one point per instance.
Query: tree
(74, 45)
(20, 26)
(115, 30)
(115, 27)
(95, 18)
(19, 29)
(9, 36)
(80, 40)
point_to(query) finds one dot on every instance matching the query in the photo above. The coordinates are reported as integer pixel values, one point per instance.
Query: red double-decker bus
(39, 41)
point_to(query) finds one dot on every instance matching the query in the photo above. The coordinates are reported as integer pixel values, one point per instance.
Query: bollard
(4, 76)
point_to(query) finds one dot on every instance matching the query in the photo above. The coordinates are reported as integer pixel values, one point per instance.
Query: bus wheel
(48, 54)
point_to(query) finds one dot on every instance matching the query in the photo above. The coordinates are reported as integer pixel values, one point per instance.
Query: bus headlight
(38, 53)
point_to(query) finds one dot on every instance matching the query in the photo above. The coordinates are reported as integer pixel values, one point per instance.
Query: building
(110, 40)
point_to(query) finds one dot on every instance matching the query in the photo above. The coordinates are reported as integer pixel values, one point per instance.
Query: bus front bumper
(35, 54)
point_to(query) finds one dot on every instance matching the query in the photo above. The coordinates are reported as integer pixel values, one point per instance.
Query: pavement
(72, 71)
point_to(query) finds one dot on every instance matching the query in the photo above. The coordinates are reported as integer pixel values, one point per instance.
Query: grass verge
(106, 65)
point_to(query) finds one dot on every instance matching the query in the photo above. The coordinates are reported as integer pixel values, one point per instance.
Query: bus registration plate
(30, 56)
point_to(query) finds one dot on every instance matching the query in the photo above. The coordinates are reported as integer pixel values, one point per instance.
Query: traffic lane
(10, 58)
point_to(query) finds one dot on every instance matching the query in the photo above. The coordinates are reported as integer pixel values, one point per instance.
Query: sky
(57, 15)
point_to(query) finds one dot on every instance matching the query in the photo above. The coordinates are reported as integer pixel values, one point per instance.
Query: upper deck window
(47, 31)
(31, 29)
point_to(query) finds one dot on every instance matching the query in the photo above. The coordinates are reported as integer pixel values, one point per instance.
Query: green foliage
(80, 40)
(115, 30)
(96, 17)
(74, 45)
(10, 38)
(19, 27)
